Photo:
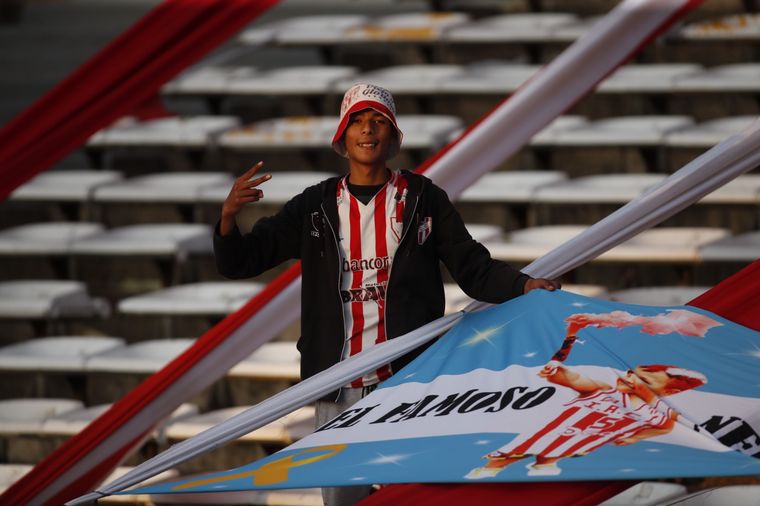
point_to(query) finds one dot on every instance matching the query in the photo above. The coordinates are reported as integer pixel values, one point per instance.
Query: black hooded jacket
(307, 227)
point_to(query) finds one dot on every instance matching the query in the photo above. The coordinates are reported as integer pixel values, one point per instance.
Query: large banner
(549, 386)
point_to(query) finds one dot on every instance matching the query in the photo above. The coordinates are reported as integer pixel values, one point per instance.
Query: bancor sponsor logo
(367, 264)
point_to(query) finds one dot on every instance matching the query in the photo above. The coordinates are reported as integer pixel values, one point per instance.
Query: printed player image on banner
(548, 386)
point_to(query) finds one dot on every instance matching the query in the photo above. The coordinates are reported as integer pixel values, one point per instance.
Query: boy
(370, 243)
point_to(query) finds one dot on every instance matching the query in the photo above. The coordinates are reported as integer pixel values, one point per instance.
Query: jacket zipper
(342, 316)
(390, 270)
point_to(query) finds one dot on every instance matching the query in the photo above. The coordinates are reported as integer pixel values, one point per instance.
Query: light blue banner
(549, 386)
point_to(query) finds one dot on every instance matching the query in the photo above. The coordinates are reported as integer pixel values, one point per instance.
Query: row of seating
(512, 187)
(475, 78)
(460, 28)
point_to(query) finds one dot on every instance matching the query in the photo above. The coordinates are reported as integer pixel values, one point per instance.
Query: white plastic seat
(524, 27)
(11, 473)
(162, 239)
(647, 493)
(192, 132)
(418, 79)
(48, 299)
(282, 187)
(26, 416)
(659, 295)
(208, 80)
(173, 187)
(708, 133)
(307, 30)
(734, 495)
(651, 78)
(54, 238)
(737, 77)
(300, 132)
(549, 134)
(488, 78)
(745, 189)
(145, 357)
(511, 186)
(416, 27)
(72, 422)
(745, 26)
(483, 232)
(271, 361)
(57, 353)
(743, 247)
(608, 188)
(667, 244)
(456, 299)
(206, 298)
(64, 186)
(296, 80)
(284, 431)
(575, 29)
(636, 131)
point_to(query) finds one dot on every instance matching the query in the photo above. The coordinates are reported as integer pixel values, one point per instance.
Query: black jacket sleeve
(271, 241)
(469, 262)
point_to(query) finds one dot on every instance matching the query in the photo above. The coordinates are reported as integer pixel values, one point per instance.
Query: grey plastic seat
(206, 298)
(64, 186)
(488, 78)
(192, 132)
(26, 416)
(420, 79)
(744, 495)
(55, 353)
(647, 493)
(608, 188)
(307, 30)
(745, 189)
(152, 240)
(145, 357)
(738, 248)
(635, 131)
(282, 187)
(649, 78)
(208, 80)
(708, 133)
(54, 238)
(524, 27)
(284, 431)
(272, 361)
(173, 187)
(510, 186)
(40, 299)
(736, 77)
(297, 80)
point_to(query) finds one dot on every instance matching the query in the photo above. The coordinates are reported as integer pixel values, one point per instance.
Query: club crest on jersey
(424, 230)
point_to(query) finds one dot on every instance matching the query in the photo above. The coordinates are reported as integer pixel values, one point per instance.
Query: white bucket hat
(366, 96)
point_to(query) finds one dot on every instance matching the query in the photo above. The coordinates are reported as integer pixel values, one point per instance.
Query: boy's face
(644, 383)
(368, 137)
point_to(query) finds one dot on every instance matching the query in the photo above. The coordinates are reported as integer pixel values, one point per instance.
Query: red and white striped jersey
(369, 236)
(588, 423)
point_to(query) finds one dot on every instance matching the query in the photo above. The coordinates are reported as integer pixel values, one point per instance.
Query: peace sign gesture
(243, 191)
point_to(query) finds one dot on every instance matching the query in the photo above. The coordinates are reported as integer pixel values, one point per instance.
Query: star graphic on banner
(485, 335)
(530, 354)
(410, 375)
(753, 353)
(482, 442)
(653, 450)
(579, 304)
(627, 470)
(358, 478)
(389, 459)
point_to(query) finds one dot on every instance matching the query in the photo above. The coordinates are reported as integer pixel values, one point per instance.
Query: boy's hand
(243, 191)
(541, 283)
(549, 369)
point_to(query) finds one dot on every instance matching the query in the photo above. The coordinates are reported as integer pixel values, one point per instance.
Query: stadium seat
(55, 353)
(144, 357)
(64, 186)
(207, 80)
(284, 431)
(45, 239)
(190, 133)
(295, 497)
(743, 27)
(420, 132)
(608, 188)
(173, 187)
(488, 78)
(737, 77)
(745, 189)
(307, 30)
(659, 295)
(206, 298)
(175, 240)
(524, 27)
(708, 133)
(484, 232)
(744, 495)
(418, 80)
(649, 78)
(282, 187)
(740, 248)
(272, 361)
(510, 186)
(48, 299)
(635, 131)
(647, 493)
